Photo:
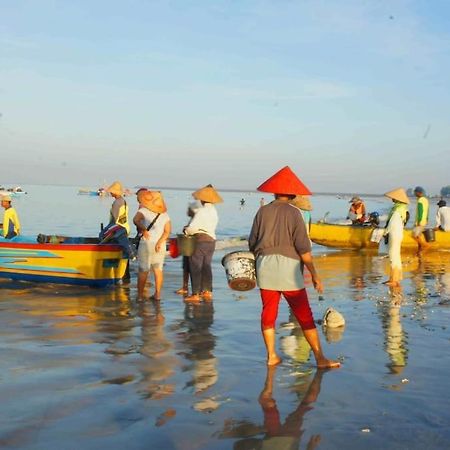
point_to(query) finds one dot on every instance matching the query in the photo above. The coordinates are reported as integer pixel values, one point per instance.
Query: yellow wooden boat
(75, 261)
(358, 237)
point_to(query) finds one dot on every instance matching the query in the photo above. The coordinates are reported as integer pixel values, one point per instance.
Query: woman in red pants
(280, 243)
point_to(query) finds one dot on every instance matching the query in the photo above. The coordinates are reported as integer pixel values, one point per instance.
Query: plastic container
(174, 251)
(186, 244)
(429, 235)
(240, 270)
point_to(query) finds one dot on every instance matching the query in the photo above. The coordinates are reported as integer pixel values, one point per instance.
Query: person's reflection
(200, 343)
(278, 434)
(395, 341)
(158, 364)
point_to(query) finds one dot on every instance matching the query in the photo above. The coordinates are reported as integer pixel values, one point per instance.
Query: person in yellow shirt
(421, 219)
(11, 223)
(118, 227)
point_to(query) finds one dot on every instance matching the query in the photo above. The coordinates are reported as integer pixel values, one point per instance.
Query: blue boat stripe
(14, 266)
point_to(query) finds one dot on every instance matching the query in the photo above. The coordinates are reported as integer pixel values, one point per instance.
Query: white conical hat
(399, 195)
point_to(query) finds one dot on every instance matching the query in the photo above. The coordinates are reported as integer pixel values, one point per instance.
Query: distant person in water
(280, 242)
(357, 211)
(394, 232)
(11, 223)
(203, 226)
(262, 202)
(442, 216)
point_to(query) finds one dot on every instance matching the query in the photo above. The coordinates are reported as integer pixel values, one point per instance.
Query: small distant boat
(100, 192)
(356, 237)
(13, 192)
(78, 261)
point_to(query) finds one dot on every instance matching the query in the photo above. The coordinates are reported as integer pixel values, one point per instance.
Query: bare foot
(181, 291)
(328, 364)
(207, 295)
(192, 298)
(274, 360)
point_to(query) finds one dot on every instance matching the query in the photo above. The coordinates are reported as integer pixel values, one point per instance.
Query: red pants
(298, 301)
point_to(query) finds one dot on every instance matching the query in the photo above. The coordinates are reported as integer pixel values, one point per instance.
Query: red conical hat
(284, 182)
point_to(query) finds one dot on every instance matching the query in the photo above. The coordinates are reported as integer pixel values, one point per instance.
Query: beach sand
(94, 369)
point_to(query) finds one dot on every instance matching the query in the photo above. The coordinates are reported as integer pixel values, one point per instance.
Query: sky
(352, 95)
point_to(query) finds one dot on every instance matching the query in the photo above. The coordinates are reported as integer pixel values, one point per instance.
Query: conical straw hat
(115, 188)
(153, 201)
(399, 195)
(207, 194)
(302, 202)
(284, 182)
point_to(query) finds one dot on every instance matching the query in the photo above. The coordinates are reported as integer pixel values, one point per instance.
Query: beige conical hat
(399, 195)
(302, 202)
(207, 194)
(6, 198)
(153, 201)
(115, 188)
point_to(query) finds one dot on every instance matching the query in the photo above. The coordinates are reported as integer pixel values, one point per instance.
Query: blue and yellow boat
(79, 261)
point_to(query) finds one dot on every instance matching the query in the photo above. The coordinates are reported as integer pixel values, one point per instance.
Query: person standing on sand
(153, 223)
(394, 230)
(280, 242)
(203, 226)
(421, 219)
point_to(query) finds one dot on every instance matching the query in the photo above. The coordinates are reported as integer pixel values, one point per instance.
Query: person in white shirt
(203, 226)
(153, 224)
(442, 216)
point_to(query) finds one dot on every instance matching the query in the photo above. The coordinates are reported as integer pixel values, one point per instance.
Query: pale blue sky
(353, 95)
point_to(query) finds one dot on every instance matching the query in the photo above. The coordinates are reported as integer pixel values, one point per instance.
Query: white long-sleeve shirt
(443, 218)
(205, 220)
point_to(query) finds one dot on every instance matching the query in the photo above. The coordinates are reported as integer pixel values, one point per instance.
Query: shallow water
(93, 369)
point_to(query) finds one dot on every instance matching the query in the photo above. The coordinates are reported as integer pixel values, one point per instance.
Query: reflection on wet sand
(158, 364)
(198, 344)
(274, 433)
(395, 339)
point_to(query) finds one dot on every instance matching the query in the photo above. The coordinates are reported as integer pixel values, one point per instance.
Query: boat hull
(95, 265)
(354, 237)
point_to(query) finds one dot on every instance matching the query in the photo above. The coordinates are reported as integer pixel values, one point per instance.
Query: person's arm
(162, 240)
(138, 220)
(308, 262)
(419, 213)
(252, 239)
(195, 224)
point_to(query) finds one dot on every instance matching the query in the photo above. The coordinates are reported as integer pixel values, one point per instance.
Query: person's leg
(142, 278)
(206, 286)
(298, 301)
(184, 289)
(159, 278)
(270, 300)
(396, 263)
(195, 267)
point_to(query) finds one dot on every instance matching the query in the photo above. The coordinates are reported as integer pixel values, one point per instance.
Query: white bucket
(240, 269)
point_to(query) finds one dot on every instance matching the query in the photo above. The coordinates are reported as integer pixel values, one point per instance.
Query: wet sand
(94, 369)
